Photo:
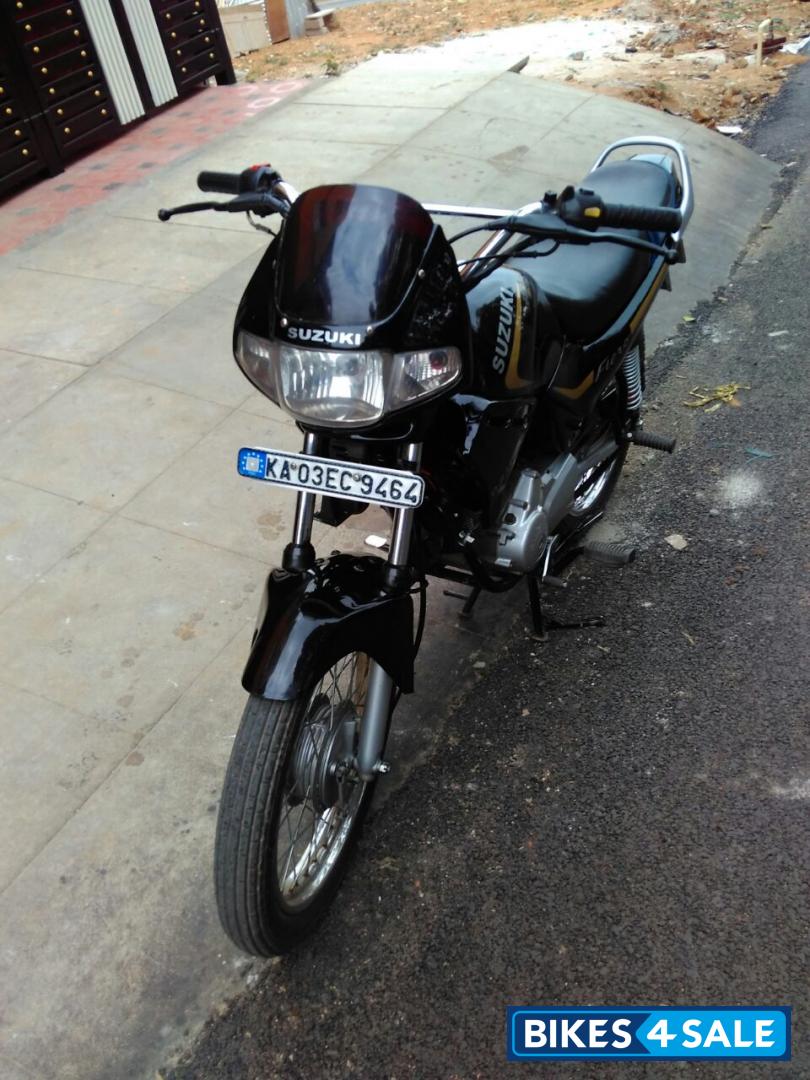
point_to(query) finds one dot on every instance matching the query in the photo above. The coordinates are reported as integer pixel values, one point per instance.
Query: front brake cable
(258, 225)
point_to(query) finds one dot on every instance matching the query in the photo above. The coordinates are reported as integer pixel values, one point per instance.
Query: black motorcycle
(488, 405)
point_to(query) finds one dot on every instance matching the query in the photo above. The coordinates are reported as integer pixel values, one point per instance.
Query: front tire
(291, 811)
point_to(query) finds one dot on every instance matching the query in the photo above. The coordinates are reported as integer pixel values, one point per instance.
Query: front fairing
(349, 254)
(365, 267)
(318, 287)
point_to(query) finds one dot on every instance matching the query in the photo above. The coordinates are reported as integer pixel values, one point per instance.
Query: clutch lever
(554, 228)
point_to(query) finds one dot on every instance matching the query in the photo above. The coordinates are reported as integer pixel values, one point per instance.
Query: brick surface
(180, 129)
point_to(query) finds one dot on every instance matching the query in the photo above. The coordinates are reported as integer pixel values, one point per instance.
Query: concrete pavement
(132, 555)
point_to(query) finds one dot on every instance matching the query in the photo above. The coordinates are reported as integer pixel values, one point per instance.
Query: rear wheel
(291, 810)
(595, 490)
(598, 484)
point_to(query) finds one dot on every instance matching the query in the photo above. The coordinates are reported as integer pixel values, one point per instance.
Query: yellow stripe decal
(513, 379)
(576, 391)
(635, 322)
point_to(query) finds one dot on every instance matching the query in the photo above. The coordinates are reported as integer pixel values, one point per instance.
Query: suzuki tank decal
(505, 324)
(507, 342)
(513, 379)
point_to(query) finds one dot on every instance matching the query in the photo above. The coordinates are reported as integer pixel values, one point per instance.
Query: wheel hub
(323, 754)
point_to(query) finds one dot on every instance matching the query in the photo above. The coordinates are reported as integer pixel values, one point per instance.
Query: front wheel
(291, 810)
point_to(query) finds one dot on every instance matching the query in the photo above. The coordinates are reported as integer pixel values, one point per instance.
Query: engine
(537, 501)
(516, 544)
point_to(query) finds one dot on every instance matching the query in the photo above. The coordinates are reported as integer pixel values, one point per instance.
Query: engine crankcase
(537, 501)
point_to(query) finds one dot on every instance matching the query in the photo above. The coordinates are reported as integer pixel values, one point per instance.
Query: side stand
(543, 624)
(469, 600)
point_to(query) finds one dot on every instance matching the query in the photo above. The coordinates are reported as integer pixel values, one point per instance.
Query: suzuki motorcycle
(487, 404)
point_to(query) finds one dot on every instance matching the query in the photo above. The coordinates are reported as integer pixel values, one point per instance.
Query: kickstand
(469, 600)
(543, 624)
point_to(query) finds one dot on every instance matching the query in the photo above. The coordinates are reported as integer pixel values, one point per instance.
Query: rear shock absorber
(631, 370)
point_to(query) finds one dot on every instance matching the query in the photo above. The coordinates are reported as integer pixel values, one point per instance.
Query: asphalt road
(620, 815)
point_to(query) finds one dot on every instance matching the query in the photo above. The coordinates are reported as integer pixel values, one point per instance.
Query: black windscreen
(349, 253)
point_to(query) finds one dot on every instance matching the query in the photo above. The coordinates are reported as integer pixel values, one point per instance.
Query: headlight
(332, 387)
(344, 388)
(257, 359)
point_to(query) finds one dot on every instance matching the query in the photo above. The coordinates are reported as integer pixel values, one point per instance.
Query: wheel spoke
(293, 839)
(325, 805)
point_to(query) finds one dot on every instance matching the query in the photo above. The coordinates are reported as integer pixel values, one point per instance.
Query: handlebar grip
(654, 218)
(226, 183)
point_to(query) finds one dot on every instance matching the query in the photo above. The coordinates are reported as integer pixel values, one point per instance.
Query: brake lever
(187, 208)
(255, 202)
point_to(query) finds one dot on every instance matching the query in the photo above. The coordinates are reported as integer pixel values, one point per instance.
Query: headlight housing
(352, 388)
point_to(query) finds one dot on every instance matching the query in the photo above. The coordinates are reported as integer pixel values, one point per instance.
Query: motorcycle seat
(588, 287)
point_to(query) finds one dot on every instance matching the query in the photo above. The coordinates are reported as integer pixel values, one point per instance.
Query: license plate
(343, 480)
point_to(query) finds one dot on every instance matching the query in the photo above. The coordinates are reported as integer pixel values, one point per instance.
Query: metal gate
(74, 72)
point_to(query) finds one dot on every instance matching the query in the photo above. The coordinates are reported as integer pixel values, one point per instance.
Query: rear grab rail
(687, 204)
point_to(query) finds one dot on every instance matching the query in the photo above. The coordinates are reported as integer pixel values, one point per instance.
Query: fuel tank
(516, 341)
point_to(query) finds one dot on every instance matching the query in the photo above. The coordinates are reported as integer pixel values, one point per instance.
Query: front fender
(309, 620)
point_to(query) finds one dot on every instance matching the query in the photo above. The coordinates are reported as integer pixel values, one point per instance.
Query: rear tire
(273, 888)
(593, 498)
(596, 489)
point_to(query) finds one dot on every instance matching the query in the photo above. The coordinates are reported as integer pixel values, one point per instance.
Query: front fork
(380, 689)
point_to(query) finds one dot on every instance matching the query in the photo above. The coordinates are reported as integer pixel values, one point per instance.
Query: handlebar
(576, 216)
(582, 218)
(655, 219)
(586, 210)
(258, 190)
(223, 182)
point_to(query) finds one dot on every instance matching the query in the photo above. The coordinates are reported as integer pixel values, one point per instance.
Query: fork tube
(374, 725)
(403, 518)
(377, 711)
(300, 554)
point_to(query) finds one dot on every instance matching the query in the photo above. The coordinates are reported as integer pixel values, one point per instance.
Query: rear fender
(309, 620)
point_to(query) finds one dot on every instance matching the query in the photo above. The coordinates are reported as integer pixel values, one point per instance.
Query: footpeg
(655, 442)
(609, 554)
